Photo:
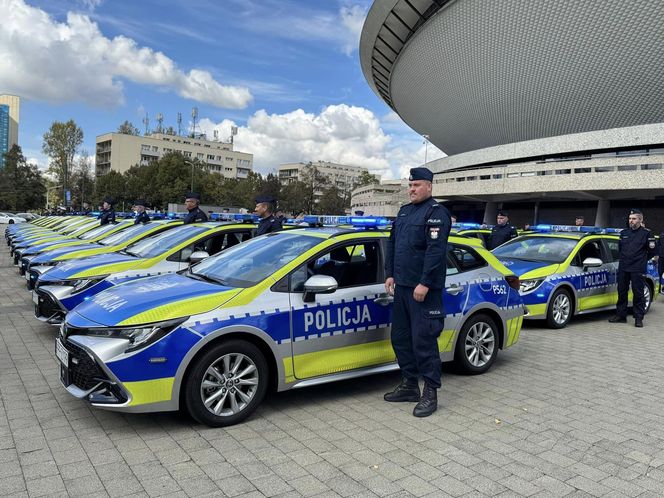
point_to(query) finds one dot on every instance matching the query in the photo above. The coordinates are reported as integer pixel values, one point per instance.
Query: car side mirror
(592, 263)
(197, 256)
(318, 284)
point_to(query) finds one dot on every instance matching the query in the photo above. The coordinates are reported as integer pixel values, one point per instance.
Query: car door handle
(454, 289)
(384, 299)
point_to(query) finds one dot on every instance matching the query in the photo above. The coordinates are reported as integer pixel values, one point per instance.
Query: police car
(70, 283)
(16, 237)
(473, 230)
(289, 309)
(568, 270)
(41, 242)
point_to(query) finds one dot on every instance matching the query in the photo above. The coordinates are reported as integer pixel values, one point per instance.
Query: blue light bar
(566, 228)
(613, 230)
(466, 225)
(355, 221)
(234, 217)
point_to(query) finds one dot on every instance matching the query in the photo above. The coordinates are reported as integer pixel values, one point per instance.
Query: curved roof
(473, 74)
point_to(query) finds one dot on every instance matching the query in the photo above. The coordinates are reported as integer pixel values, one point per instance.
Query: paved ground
(575, 412)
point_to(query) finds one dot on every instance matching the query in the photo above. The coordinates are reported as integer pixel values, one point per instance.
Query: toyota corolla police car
(70, 283)
(288, 309)
(109, 244)
(568, 270)
(43, 242)
(16, 238)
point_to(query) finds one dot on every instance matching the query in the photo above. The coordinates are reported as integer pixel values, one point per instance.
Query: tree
(314, 183)
(21, 184)
(61, 142)
(365, 178)
(128, 128)
(332, 201)
(112, 184)
(82, 180)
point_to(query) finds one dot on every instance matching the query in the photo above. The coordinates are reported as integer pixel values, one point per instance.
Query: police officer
(107, 214)
(636, 246)
(85, 210)
(660, 259)
(265, 207)
(415, 268)
(579, 221)
(194, 213)
(141, 215)
(502, 231)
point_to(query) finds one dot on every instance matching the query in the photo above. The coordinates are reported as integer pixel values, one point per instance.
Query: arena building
(550, 109)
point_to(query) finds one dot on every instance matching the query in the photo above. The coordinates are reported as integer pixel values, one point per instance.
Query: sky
(285, 72)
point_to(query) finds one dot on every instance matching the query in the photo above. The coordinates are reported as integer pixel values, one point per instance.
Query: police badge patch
(433, 233)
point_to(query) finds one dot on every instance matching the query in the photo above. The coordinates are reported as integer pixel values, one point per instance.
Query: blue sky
(286, 72)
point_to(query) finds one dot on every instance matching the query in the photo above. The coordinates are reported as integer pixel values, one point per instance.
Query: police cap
(265, 198)
(502, 212)
(140, 202)
(580, 217)
(109, 200)
(193, 195)
(359, 213)
(635, 211)
(420, 174)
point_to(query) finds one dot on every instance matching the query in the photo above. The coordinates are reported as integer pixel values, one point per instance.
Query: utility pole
(426, 146)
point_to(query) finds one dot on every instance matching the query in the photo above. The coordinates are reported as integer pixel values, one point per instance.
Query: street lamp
(426, 146)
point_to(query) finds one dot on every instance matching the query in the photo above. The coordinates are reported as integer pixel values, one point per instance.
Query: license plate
(62, 353)
(35, 297)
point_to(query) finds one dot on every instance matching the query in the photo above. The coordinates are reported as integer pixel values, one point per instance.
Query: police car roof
(564, 235)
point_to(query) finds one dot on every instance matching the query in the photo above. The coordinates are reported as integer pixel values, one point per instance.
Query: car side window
(351, 265)
(613, 249)
(465, 258)
(590, 249)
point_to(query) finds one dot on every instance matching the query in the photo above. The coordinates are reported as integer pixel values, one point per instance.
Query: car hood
(522, 268)
(44, 246)
(100, 264)
(149, 300)
(49, 256)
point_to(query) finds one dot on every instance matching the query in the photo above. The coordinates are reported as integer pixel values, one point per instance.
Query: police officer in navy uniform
(636, 246)
(265, 208)
(660, 260)
(194, 214)
(107, 214)
(141, 215)
(415, 267)
(502, 231)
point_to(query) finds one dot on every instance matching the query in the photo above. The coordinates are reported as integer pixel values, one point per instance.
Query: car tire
(11, 222)
(559, 311)
(647, 295)
(477, 345)
(226, 383)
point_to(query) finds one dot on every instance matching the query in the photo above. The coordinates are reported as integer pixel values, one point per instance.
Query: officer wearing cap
(141, 215)
(502, 231)
(265, 207)
(636, 246)
(415, 268)
(194, 214)
(107, 214)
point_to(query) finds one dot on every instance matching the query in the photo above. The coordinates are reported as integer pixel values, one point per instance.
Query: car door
(593, 284)
(612, 249)
(346, 329)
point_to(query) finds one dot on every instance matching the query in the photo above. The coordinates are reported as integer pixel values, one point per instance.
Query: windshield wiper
(206, 278)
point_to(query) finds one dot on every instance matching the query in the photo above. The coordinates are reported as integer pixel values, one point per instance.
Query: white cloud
(42, 59)
(339, 133)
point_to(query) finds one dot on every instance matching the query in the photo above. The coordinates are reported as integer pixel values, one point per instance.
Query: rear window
(545, 249)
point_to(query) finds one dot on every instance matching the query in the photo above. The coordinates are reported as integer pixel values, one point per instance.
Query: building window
(629, 167)
(155, 148)
(651, 166)
(199, 155)
(563, 172)
(187, 153)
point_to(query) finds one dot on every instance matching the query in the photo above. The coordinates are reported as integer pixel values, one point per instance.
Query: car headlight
(529, 285)
(139, 337)
(85, 283)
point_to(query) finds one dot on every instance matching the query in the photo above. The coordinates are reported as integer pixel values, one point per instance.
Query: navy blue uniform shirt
(417, 247)
(268, 225)
(142, 218)
(107, 216)
(636, 247)
(194, 216)
(501, 234)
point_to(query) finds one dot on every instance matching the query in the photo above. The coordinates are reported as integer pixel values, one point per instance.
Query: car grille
(83, 371)
(47, 307)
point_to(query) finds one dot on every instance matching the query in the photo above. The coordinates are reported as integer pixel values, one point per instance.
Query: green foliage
(332, 201)
(128, 128)
(21, 184)
(112, 184)
(366, 178)
(61, 142)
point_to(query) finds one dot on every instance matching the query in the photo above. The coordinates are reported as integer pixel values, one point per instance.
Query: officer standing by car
(194, 213)
(141, 215)
(660, 260)
(107, 214)
(502, 232)
(415, 267)
(265, 208)
(636, 246)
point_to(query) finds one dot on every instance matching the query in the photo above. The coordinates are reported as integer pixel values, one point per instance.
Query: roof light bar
(466, 225)
(355, 221)
(566, 228)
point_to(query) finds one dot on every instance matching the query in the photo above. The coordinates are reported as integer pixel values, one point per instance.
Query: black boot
(408, 390)
(638, 322)
(617, 319)
(428, 402)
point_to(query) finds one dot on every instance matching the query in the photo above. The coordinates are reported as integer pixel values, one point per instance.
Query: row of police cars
(206, 317)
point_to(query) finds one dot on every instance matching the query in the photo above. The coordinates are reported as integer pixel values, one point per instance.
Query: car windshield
(251, 262)
(545, 249)
(97, 232)
(164, 242)
(126, 235)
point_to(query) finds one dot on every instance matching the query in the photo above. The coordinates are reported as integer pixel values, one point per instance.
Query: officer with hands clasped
(415, 267)
(502, 231)
(141, 215)
(636, 246)
(107, 214)
(265, 208)
(194, 214)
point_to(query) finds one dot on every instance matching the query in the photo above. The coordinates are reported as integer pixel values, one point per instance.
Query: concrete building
(119, 152)
(343, 176)
(380, 199)
(541, 108)
(9, 119)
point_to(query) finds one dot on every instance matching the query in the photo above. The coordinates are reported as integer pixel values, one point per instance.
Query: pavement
(572, 412)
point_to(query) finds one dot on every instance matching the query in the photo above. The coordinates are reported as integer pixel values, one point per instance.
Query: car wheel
(647, 296)
(226, 384)
(11, 222)
(559, 312)
(477, 345)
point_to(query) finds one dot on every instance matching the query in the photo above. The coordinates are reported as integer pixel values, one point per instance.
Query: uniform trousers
(639, 302)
